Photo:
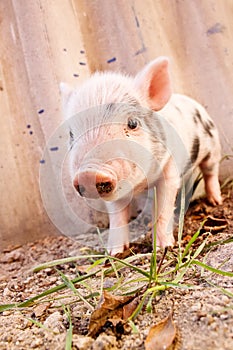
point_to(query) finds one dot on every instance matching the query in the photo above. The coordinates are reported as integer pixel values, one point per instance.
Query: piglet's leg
(210, 169)
(166, 190)
(118, 238)
(212, 188)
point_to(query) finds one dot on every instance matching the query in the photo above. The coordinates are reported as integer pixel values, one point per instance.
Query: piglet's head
(112, 125)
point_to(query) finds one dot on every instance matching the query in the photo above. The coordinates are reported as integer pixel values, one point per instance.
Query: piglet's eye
(133, 123)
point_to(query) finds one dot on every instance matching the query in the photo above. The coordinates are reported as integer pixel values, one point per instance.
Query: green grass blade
(66, 261)
(149, 303)
(212, 269)
(71, 286)
(181, 222)
(6, 307)
(134, 327)
(96, 263)
(199, 249)
(177, 285)
(69, 335)
(192, 240)
(223, 290)
(181, 272)
(138, 308)
(135, 268)
(195, 255)
(153, 259)
(55, 289)
(220, 242)
(154, 290)
(39, 324)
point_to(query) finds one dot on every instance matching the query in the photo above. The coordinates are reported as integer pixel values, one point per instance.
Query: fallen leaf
(112, 310)
(163, 335)
(129, 308)
(215, 225)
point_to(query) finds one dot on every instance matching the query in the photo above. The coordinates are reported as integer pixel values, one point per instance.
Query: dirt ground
(203, 313)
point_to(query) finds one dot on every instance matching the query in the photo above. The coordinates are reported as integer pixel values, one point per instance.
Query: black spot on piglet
(195, 149)
(207, 125)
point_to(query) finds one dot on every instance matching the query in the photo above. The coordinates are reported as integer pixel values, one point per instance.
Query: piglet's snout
(92, 183)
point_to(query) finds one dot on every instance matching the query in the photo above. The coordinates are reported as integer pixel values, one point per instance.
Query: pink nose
(93, 184)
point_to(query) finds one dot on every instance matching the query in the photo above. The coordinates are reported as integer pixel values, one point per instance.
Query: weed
(149, 278)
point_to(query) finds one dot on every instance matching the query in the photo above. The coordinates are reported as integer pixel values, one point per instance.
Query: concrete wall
(43, 42)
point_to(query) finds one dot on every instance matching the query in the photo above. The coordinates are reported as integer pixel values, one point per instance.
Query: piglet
(129, 134)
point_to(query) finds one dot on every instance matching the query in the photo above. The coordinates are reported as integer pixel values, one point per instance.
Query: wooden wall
(44, 42)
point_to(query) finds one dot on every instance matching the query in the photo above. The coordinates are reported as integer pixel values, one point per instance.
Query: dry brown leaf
(215, 225)
(129, 308)
(163, 335)
(111, 307)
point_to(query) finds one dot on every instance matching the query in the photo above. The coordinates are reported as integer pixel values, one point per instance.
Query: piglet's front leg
(118, 239)
(166, 190)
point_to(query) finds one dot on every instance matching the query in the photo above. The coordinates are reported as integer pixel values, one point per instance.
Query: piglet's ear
(154, 83)
(66, 92)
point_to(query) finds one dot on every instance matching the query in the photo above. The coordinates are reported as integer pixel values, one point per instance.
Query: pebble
(225, 299)
(7, 338)
(54, 322)
(201, 314)
(37, 343)
(196, 307)
(105, 342)
(210, 319)
(3, 278)
(6, 313)
(15, 255)
(6, 292)
(108, 283)
(82, 343)
(224, 317)
(214, 326)
(40, 309)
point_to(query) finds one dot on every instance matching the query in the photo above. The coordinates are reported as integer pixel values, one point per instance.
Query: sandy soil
(203, 313)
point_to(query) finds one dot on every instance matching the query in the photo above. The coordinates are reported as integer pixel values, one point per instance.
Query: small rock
(6, 313)
(54, 322)
(40, 309)
(6, 292)
(7, 338)
(214, 326)
(196, 307)
(104, 342)
(210, 319)
(82, 343)
(3, 278)
(224, 316)
(225, 299)
(201, 314)
(37, 343)
(15, 255)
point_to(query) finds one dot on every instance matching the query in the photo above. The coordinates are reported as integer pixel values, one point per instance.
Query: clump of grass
(148, 280)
